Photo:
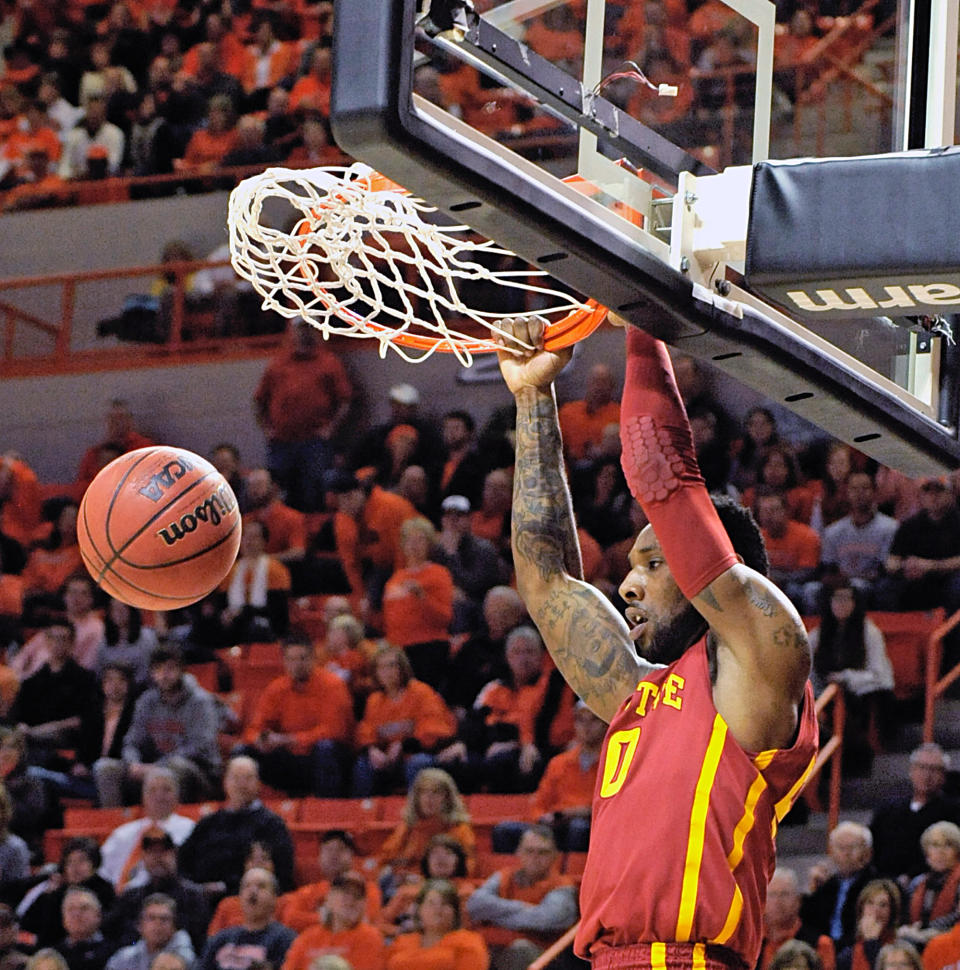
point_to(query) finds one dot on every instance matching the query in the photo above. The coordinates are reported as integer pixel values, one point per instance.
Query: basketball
(158, 528)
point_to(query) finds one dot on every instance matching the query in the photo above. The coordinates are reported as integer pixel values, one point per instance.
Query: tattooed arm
(763, 657)
(588, 640)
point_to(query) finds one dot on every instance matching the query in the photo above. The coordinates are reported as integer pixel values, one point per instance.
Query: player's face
(662, 622)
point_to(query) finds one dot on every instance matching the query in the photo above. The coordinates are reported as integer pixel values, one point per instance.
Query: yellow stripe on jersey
(658, 956)
(699, 956)
(783, 806)
(735, 856)
(733, 917)
(698, 825)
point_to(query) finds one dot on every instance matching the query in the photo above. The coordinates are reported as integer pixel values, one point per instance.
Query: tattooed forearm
(544, 533)
(588, 647)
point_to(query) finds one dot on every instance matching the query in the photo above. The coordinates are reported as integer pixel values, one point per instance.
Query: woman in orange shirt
(207, 146)
(52, 563)
(434, 807)
(418, 604)
(404, 722)
(445, 858)
(439, 943)
(342, 930)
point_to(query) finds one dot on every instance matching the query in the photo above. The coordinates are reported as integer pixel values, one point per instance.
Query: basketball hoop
(366, 259)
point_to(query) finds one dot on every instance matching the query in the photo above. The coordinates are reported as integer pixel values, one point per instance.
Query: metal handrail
(936, 686)
(831, 752)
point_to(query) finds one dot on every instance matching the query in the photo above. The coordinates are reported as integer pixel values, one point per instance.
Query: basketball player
(712, 728)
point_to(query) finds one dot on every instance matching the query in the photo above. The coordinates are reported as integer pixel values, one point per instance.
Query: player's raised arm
(762, 658)
(587, 639)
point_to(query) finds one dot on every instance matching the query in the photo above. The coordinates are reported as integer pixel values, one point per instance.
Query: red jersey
(682, 838)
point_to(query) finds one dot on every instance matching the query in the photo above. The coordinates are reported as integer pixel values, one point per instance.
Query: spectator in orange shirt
(434, 807)
(313, 89)
(301, 729)
(348, 654)
(20, 504)
(302, 908)
(255, 595)
(418, 604)
(565, 793)
(233, 55)
(342, 929)
(582, 422)
(209, 144)
(286, 527)
(491, 521)
(302, 400)
(439, 942)
(404, 723)
(509, 709)
(792, 547)
(444, 858)
(781, 470)
(51, 564)
(121, 436)
(366, 527)
(229, 911)
(41, 185)
(38, 132)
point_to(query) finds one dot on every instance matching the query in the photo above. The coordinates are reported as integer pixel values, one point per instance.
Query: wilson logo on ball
(166, 478)
(211, 511)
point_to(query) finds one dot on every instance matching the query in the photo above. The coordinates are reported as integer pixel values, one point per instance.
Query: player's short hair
(744, 533)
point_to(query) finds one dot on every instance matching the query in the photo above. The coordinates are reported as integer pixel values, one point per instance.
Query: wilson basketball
(159, 528)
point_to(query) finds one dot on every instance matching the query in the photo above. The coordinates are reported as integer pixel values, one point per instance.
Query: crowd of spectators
(403, 661)
(89, 91)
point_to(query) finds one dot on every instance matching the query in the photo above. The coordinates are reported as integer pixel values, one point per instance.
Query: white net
(356, 257)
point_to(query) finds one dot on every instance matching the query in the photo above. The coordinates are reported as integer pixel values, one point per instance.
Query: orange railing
(831, 752)
(58, 335)
(936, 686)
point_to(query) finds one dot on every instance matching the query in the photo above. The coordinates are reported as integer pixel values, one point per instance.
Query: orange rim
(571, 329)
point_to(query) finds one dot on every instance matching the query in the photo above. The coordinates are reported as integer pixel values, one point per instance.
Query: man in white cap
(404, 400)
(474, 562)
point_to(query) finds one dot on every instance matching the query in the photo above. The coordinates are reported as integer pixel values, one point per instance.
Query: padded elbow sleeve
(660, 466)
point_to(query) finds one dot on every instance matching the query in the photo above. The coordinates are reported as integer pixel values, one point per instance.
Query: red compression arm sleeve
(661, 468)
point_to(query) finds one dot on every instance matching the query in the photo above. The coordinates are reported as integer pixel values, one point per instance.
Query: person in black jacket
(215, 852)
(830, 908)
(898, 824)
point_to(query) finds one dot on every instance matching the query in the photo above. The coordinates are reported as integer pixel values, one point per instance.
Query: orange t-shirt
(410, 617)
(20, 511)
(310, 92)
(208, 148)
(48, 569)
(361, 946)
(287, 526)
(430, 718)
(580, 428)
(797, 548)
(11, 595)
(458, 950)
(299, 909)
(565, 784)
(318, 710)
(406, 844)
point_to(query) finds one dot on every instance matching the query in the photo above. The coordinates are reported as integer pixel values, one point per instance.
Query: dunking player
(712, 728)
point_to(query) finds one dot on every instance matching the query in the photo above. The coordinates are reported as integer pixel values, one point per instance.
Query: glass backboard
(639, 105)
